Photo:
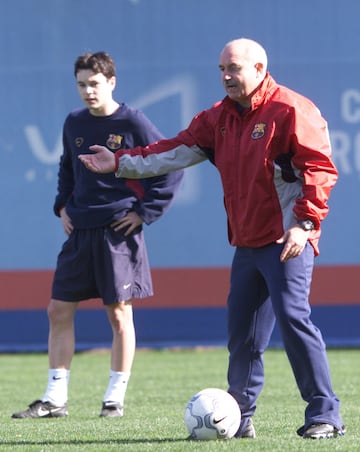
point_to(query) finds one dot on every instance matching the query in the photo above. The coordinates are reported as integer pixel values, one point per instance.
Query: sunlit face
(240, 75)
(96, 91)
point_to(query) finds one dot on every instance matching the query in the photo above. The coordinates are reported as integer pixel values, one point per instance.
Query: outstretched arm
(102, 161)
(173, 156)
(189, 147)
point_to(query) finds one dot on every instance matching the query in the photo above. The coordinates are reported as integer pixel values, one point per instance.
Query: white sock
(117, 387)
(57, 387)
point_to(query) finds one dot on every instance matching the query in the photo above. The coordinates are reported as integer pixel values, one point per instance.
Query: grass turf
(161, 384)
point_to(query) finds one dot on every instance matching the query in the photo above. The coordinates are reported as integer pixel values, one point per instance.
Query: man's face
(239, 75)
(95, 90)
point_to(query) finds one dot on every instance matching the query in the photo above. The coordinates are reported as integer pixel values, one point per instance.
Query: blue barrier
(26, 331)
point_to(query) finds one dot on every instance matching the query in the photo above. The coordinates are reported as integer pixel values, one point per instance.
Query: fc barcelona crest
(114, 141)
(259, 131)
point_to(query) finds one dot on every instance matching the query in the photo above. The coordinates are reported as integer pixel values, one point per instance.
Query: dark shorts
(102, 263)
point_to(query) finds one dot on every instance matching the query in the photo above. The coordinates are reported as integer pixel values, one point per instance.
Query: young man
(271, 147)
(105, 254)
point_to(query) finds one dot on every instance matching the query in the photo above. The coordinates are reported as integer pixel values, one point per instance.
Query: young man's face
(95, 90)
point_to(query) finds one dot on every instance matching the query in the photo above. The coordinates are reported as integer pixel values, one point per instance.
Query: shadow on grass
(89, 442)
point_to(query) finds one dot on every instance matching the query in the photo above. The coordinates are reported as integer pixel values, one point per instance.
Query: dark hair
(99, 62)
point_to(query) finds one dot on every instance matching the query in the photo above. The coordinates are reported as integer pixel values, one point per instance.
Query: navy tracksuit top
(96, 200)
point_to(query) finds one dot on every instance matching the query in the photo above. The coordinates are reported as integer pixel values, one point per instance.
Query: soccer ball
(212, 414)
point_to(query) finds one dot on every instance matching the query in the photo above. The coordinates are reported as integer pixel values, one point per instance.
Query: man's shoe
(248, 432)
(321, 431)
(111, 409)
(40, 409)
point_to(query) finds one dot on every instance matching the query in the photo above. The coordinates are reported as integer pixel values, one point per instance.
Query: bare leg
(61, 350)
(123, 345)
(122, 352)
(61, 335)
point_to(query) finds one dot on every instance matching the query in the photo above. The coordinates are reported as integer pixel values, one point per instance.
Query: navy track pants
(264, 290)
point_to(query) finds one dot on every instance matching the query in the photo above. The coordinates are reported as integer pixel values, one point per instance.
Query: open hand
(295, 240)
(102, 161)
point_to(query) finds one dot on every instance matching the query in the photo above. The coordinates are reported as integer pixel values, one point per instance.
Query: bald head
(249, 50)
(243, 63)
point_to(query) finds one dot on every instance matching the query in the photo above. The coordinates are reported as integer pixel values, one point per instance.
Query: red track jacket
(274, 161)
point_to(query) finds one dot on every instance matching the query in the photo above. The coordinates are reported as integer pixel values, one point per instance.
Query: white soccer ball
(212, 414)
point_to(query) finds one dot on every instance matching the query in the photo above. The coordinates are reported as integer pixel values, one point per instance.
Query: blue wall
(158, 328)
(167, 54)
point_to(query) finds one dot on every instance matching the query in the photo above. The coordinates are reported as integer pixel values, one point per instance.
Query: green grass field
(161, 384)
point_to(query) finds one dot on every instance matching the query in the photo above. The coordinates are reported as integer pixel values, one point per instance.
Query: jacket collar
(262, 93)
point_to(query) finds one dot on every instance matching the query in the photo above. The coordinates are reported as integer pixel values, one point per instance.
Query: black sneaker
(111, 409)
(39, 409)
(321, 431)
